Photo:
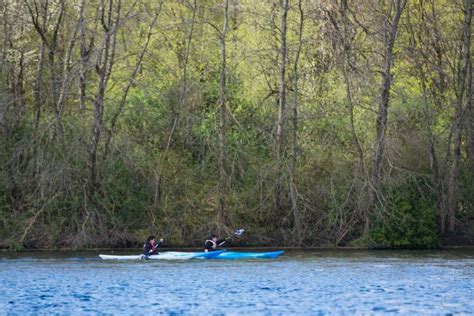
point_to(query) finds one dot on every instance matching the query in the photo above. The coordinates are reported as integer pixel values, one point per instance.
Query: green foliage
(466, 193)
(409, 220)
(160, 174)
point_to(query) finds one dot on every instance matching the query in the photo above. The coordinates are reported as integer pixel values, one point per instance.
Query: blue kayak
(210, 255)
(249, 255)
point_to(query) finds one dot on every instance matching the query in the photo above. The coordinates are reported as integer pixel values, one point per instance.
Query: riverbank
(250, 249)
(463, 238)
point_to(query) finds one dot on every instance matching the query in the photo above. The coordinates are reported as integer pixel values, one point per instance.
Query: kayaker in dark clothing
(151, 247)
(212, 243)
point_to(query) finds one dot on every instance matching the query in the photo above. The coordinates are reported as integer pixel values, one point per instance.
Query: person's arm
(220, 242)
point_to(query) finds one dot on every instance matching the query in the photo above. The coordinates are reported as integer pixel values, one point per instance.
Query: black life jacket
(213, 245)
(146, 249)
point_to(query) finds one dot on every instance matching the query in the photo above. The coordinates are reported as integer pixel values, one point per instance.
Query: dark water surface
(309, 283)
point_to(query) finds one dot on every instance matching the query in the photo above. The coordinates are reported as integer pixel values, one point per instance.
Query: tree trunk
(184, 79)
(131, 80)
(347, 83)
(181, 101)
(294, 135)
(38, 100)
(37, 89)
(3, 62)
(470, 120)
(67, 68)
(458, 119)
(4, 9)
(19, 89)
(51, 43)
(421, 54)
(103, 69)
(381, 123)
(84, 57)
(438, 181)
(280, 150)
(54, 77)
(222, 117)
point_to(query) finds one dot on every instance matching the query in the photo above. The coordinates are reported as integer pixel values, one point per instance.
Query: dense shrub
(409, 219)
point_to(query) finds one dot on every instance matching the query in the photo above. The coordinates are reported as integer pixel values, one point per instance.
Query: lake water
(308, 283)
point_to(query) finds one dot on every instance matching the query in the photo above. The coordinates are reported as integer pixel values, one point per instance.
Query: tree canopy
(309, 123)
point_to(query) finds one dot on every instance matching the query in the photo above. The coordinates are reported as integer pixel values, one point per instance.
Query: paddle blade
(239, 232)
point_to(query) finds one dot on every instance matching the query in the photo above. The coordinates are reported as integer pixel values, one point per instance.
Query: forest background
(309, 123)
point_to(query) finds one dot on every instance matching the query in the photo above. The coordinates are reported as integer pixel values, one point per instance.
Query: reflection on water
(312, 282)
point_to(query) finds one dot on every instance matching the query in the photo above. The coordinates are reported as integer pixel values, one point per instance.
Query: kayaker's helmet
(213, 236)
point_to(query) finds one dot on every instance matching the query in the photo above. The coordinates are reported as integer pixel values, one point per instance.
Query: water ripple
(300, 283)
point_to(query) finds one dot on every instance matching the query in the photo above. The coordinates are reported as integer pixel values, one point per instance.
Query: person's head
(213, 237)
(151, 239)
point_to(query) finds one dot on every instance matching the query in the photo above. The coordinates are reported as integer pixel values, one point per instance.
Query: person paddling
(212, 243)
(151, 247)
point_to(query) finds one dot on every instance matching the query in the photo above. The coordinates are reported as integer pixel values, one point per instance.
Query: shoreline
(106, 249)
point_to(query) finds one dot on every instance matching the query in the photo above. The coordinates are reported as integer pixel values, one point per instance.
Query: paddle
(158, 244)
(237, 233)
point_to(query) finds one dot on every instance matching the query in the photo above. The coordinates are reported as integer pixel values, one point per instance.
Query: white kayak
(168, 255)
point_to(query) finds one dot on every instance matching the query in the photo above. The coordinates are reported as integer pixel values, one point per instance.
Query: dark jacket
(148, 249)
